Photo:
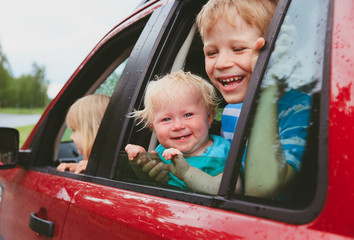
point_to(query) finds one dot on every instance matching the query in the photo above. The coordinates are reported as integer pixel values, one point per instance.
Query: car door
(127, 207)
(31, 196)
(109, 202)
(34, 196)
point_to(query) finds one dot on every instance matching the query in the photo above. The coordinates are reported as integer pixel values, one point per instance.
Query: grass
(24, 130)
(22, 110)
(24, 133)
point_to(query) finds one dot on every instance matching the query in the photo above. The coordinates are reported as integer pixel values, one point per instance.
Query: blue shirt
(229, 120)
(293, 116)
(212, 160)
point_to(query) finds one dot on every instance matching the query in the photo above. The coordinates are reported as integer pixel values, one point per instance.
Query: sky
(56, 34)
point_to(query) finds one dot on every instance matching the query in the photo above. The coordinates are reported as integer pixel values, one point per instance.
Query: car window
(104, 83)
(189, 57)
(296, 65)
(67, 149)
(129, 174)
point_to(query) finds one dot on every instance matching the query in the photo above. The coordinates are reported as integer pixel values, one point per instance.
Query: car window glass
(106, 88)
(67, 151)
(210, 165)
(295, 66)
(189, 57)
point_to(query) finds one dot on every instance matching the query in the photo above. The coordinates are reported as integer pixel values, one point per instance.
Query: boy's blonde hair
(85, 116)
(172, 87)
(256, 13)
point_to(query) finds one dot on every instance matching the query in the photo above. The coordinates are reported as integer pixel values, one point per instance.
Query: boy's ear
(211, 116)
(152, 126)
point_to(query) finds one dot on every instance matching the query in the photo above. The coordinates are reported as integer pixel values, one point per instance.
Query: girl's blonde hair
(85, 116)
(256, 13)
(172, 87)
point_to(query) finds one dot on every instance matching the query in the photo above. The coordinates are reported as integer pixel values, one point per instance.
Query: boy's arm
(199, 181)
(194, 178)
(266, 171)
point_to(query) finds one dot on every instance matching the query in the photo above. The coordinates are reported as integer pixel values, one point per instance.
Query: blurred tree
(5, 80)
(33, 90)
(27, 91)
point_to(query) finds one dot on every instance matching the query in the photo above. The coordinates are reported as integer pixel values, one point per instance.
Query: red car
(109, 202)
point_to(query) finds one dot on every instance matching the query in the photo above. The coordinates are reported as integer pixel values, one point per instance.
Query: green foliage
(24, 133)
(27, 91)
(67, 135)
(22, 110)
(107, 87)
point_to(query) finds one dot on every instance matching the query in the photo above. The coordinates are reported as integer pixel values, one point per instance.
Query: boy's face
(183, 124)
(228, 53)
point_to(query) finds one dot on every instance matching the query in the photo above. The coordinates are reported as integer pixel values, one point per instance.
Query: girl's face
(76, 138)
(183, 124)
(228, 54)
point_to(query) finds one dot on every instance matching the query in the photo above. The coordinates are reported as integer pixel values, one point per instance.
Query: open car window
(102, 78)
(295, 68)
(67, 150)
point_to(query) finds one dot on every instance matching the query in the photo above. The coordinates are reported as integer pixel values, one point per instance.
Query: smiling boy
(233, 32)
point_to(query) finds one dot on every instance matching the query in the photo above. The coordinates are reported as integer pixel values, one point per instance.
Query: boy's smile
(228, 54)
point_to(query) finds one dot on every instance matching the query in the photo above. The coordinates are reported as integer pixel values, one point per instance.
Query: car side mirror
(9, 146)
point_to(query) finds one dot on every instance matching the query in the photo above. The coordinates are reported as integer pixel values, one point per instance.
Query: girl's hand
(81, 166)
(179, 165)
(67, 166)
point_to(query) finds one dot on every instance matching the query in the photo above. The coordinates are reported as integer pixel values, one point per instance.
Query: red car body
(99, 208)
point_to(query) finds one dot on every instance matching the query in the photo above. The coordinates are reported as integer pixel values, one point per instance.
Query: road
(18, 120)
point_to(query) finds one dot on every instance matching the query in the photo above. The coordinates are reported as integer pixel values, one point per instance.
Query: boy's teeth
(232, 79)
(226, 81)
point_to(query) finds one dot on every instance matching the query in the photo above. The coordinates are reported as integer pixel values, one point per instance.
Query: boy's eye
(239, 49)
(210, 53)
(165, 119)
(188, 114)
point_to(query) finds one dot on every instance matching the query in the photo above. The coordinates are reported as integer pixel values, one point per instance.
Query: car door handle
(41, 226)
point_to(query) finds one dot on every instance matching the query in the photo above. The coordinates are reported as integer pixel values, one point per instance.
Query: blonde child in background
(84, 118)
(180, 109)
(233, 33)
